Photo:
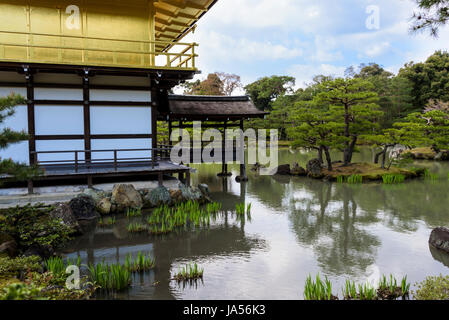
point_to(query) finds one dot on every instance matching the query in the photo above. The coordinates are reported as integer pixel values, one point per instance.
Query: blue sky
(303, 38)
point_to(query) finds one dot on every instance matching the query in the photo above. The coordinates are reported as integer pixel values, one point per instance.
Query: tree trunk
(328, 159)
(376, 158)
(349, 151)
(384, 157)
(320, 154)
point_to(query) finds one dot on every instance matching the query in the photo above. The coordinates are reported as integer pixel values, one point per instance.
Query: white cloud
(305, 73)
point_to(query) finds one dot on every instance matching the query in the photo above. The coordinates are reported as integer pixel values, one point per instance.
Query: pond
(298, 227)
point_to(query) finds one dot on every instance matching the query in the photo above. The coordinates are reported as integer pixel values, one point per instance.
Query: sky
(303, 38)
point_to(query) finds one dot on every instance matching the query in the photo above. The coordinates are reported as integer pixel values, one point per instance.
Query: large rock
(282, 170)
(439, 238)
(43, 251)
(7, 245)
(315, 169)
(297, 170)
(158, 197)
(204, 189)
(83, 208)
(126, 196)
(64, 212)
(104, 206)
(190, 194)
(95, 194)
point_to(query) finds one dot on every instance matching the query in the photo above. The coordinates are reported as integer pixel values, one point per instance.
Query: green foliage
(131, 213)
(141, 263)
(12, 267)
(33, 225)
(19, 171)
(112, 277)
(433, 15)
(429, 79)
(102, 222)
(340, 112)
(137, 227)
(189, 272)
(432, 288)
(318, 289)
(393, 178)
(21, 291)
(355, 179)
(266, 90)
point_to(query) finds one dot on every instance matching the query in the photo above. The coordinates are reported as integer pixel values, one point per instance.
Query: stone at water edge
(190, 194)
(315, 169)
(297, 170)
(283, 170)
(175, 195)
(104, 206)
(95, 194)
(83, 208)
(126, 196)
(158, 197)
(7, 245)
(439, 238)
(64, 212)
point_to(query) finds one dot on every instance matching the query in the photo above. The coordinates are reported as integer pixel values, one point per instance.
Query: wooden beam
(86, 112)
(31, 116)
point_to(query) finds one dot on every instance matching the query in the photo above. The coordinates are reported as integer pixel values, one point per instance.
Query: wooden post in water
(243, 177)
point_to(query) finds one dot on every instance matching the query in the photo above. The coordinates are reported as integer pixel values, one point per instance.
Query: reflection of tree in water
(328, 219)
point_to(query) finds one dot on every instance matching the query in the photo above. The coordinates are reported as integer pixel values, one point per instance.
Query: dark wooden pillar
(243, 177)
(31, 123)
(31, 116)
(86, 115)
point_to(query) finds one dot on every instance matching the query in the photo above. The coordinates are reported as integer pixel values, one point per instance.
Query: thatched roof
(212, 107)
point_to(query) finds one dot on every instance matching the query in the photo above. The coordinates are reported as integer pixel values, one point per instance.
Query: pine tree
(8, 167)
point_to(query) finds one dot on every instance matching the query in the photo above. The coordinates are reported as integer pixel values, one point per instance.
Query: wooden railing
(158, 154)
(65, 49)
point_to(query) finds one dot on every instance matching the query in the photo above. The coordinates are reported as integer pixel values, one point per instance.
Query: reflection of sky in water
(298, 227)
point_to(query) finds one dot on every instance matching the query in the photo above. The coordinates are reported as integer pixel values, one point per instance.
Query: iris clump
(354, 179)
(58, 266)
(141, 263)
(137, 227)
(388, 289)
(113, 277)
(131, 213)
(393, 178)
(165, 219)
(102, 222)
(318, 289)
(189, 272)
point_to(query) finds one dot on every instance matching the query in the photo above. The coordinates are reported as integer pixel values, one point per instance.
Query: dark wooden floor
(110, 169)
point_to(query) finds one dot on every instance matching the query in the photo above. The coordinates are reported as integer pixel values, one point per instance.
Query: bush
(14, 266)
(433, 288)
(33, 225)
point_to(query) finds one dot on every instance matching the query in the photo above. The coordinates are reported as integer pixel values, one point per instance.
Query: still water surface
(298, 226)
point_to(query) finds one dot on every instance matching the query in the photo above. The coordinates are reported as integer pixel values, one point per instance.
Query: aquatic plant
(189, 272)
(341, 179)
(354, 179)
(393, 178)
(132, 212)
(142, 262)
(103, 222)
(388, 289)
(137, 227)
(367, 292)
(432, 288)
(350, 290)
(110, 277)
(318, 290)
